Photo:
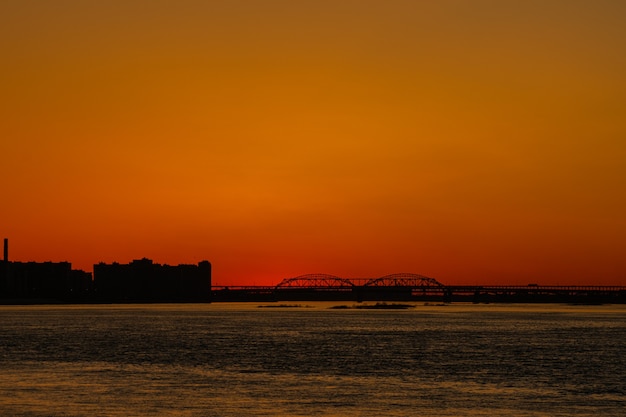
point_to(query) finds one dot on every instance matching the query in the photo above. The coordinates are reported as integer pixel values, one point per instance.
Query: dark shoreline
(575, 295)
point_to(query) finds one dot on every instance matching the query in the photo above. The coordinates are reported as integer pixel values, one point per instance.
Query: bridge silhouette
(414, 287)
(332, 281)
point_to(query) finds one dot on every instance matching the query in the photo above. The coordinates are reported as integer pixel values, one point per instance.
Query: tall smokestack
(6, 250)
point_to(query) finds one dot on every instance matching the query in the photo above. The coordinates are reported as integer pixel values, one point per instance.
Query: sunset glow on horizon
(475, 142)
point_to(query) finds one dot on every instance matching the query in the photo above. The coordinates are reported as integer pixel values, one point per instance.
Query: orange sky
(476, 142)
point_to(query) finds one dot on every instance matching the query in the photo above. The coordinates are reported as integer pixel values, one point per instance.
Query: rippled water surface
(243, 360)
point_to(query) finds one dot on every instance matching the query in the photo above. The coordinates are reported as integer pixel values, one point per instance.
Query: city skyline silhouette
(144, 281)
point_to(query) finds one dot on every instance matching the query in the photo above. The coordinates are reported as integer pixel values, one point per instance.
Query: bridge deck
(472, 293)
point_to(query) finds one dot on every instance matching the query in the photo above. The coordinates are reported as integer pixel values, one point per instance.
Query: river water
(246, 359)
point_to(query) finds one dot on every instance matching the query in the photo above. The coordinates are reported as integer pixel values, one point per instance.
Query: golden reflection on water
(237, 359)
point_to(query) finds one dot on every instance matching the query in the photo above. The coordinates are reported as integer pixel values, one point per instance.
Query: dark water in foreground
(241, 360)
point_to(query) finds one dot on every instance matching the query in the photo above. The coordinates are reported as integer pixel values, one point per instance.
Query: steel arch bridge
(315, 281)
(332, 281)
(405, 280)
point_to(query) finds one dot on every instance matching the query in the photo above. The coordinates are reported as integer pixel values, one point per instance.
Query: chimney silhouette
(6, 250)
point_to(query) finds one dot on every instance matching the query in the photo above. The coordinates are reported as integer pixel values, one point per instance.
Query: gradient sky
(476, 142)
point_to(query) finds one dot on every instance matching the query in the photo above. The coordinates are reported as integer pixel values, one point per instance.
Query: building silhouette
(143, 280)
(42, 281)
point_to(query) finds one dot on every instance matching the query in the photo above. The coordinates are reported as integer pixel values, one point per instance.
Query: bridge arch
(404, 280)
(315, 281)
